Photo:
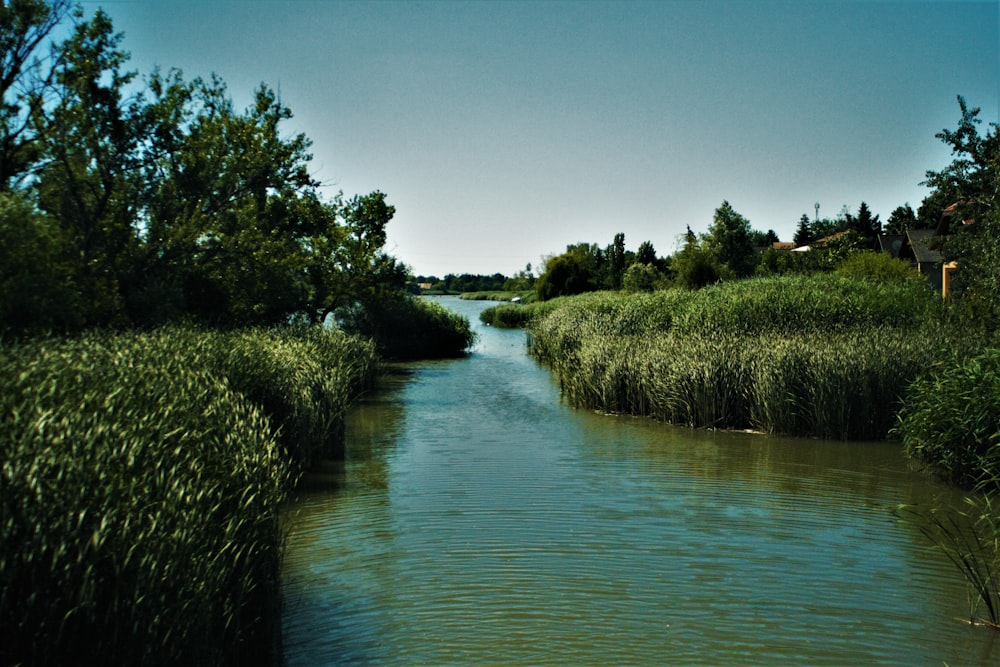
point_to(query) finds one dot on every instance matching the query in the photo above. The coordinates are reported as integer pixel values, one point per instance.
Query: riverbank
(142, 483)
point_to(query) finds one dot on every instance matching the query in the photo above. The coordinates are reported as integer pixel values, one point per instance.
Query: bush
(409, 328)
(879, 267)
(952, 418)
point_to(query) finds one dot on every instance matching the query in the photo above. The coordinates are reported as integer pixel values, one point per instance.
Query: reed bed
(819, 356)
(141, 481)
(952, 418)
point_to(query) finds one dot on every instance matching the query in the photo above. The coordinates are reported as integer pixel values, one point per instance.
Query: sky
(504, 131)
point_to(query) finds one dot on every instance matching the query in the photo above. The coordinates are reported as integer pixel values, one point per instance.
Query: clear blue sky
(503, 131)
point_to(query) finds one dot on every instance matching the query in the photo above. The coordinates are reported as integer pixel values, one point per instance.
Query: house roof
(948, 215)
(891, 243)
(920, 243)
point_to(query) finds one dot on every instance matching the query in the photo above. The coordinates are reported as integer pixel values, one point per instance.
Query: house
(892, 244)
(920, 248)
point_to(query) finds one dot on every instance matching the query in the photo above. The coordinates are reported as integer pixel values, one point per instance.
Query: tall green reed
(823, 356)
(141, 483)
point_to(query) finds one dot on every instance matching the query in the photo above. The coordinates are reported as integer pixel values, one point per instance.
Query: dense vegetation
(823, 355)
(139, 203)
(142, 477)
(183, 321)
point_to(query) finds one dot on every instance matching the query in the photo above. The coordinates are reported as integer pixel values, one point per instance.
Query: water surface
(480, 520)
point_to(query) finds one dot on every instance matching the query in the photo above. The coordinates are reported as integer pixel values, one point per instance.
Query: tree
(641, 277)
(521, 281)
(36, 271)
(865, 224)
(565, 275)
(970, 180)
(87, 171)
(615, 257)
(693, 266)
(729, 239)
(145, 206)
(972, 183)
(26, 80)
(901, 219)
(759, 239)
(803, 233)
(646, 254)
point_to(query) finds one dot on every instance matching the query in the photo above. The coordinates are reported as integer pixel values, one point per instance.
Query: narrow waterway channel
(480, 520)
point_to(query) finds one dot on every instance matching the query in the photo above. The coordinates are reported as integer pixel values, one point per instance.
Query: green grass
(141, 484)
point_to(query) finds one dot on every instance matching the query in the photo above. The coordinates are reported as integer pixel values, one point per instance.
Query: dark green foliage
(803, 233)
(37, 286)
(951, 418)
(564, 275)
(866, 225)
(901, 219)
(694, 267)
(879, 267)
(729, 238)
(150, 205)
(409, 328)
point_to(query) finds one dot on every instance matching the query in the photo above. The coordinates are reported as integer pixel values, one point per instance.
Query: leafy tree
(86, 179)
(865, 224)
(26, 81)
(759, 239)
(615, 257)
(972, 183)
(901, 219)
(646, 254)
(970, 180)
(522, 280)
(694, 266)
(729, 239)
(641, 277)
(825, 227)
(566, 274)
(37, 292)
(144, 206)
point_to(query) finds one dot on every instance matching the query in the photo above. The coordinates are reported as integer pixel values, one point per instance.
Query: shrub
(409, 328)
(951, 418)
(879, 267)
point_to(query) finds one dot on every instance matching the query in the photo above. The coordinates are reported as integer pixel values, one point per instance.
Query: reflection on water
(479, 520)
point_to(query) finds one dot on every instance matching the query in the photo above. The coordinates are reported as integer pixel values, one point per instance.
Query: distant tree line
(128, 202)
(968, 189)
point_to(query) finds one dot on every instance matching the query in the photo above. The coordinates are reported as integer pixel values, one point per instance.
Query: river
(479, 520)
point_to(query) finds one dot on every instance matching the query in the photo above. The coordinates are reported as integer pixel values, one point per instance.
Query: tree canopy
(138, 202)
